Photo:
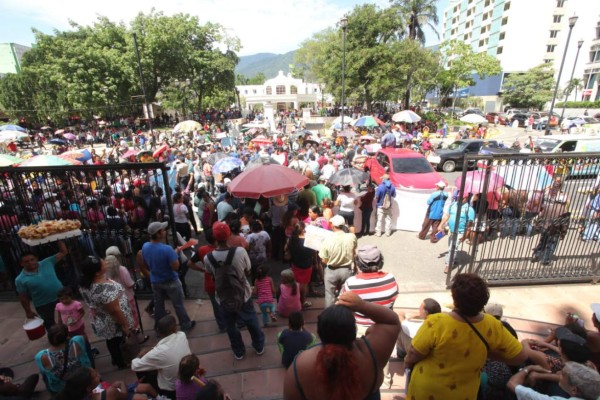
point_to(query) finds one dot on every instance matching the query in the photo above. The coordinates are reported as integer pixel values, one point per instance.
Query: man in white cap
(163, 263)
(435, 212)
(337, 254)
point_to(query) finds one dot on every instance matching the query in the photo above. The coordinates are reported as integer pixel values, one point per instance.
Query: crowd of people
(358, 331)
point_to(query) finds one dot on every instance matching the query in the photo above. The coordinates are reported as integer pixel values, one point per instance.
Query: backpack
(230, 286)
(387, 201)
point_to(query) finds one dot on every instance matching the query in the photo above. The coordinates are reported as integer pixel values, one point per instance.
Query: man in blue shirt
(465, 219)
(38, 284)
(384, 207)
(163, 263)
(435, 212)
(388, 140)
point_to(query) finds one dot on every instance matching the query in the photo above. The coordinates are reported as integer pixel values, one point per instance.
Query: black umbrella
(214, 157)
(257, 162)
(349, 177)
(60, 142)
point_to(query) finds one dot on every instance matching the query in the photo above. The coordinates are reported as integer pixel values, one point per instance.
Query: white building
(591, 73)
(523, 34)
(283, 93)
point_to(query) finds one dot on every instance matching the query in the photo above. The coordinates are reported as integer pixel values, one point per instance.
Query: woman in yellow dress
(447, 354)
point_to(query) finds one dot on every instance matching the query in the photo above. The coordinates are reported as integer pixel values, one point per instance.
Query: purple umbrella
(69, 136)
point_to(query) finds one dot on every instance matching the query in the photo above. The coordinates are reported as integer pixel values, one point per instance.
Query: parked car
(448, 111)
(450, 159)
(521, 117)
(473, 111)
(502, 118)
(406, 168)
(512, 111)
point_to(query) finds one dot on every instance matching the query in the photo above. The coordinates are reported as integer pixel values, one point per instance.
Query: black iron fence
(114, 204)
(536, 219)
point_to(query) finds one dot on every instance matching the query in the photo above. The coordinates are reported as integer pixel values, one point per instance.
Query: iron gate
(537, 219)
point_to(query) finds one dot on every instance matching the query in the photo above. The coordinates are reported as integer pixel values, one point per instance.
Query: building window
(547, 61)
(553, 33)
(557, 19)
(499, 50)
(470, 1)
(550, 48)
(487, 3)
(507, 6)
(501, 37)
(269, 90)
(254, 91)
(293, 90)
(560, 3)
(468, 24)
(280, 89)
(485, 29)
(504, 20)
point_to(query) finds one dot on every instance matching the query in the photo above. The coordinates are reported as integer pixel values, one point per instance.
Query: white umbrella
(338, 120)
(406, 116)
(11, 136)
(473, 119)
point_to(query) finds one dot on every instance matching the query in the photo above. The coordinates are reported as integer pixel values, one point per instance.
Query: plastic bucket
(34, 328)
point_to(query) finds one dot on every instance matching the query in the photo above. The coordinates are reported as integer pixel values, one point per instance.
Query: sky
(265, 26)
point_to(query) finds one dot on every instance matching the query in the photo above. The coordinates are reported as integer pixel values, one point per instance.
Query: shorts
(302, 275)
(78, 331)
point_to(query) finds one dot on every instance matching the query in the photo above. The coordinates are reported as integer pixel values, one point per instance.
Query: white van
(568, 143)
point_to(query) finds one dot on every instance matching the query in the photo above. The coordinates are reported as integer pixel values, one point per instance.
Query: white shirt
(165, 358)
(525, 393)
(327, 171)
(346, 201)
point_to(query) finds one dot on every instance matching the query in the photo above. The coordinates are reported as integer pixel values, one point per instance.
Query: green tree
(575, 84)
(532, 88)
(257, 79)
(417, 14)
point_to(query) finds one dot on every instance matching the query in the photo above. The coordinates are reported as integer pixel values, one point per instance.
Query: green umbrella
(6, 160)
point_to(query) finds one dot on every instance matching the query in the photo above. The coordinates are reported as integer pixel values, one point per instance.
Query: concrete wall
(574, 112)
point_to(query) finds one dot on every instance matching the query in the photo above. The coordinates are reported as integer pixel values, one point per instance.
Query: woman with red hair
(344, 367)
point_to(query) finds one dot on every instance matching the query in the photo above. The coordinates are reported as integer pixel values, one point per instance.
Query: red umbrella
(476, 179)
(268, 181)
(129, 153)
(160, 150)
(260, 139)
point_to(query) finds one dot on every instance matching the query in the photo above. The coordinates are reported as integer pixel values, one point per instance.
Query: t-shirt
(69, 314)
(338, 249)
(240, 261)
(525, 393)
(467, 214)
(321, 192)
(223, 208)
(158, 257)
(375, 287)
(180, 213)
(346, 201)
(257, 246)
(264, 290)
(209, 279)
(188, 390)
(42, 286)
(436, 205)
(288, 301)
(302, 257)
(291, 343)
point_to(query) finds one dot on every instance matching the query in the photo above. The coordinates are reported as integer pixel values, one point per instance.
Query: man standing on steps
(226, 292)
(384, 196)
(163, 263)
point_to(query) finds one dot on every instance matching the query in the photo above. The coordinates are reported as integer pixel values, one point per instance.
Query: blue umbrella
(58, 141)
(367, 121)
(12, 128)
(227, 141)
(226, 165)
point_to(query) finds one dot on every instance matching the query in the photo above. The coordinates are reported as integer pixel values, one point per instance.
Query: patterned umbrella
(48, 161)
(226, 165)
(79, 155)
(6, 160)
(368, 122)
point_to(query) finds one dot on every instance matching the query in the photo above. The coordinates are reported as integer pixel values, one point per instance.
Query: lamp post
(572, 22)
(579, 44)
(344, 25)
(146, 104)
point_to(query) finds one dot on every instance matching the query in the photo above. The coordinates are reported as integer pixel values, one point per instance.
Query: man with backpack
(383, 196)
(230, 266)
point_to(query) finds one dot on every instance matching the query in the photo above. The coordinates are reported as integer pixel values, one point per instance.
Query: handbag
(480, 394)
(130, 348)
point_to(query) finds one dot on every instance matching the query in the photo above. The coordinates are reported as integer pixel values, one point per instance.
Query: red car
(408, 169)
(502, 118)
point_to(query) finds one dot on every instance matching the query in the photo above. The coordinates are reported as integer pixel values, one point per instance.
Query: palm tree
(418, 14)
(574, 84)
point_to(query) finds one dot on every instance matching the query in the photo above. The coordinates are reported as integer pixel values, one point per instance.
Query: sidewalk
(531, 310)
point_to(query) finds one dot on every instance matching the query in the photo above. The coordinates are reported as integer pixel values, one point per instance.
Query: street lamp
(572, 22)
(344, 25)
(579, 44)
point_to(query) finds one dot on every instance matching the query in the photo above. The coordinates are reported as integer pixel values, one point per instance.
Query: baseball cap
(157, 226)
(337, 221)
(494, 309)
(563, 333)
(596, 309)
(369, 254)
(221, 231)
(441, 184)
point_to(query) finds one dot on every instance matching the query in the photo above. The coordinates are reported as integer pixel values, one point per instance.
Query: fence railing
(537, 219)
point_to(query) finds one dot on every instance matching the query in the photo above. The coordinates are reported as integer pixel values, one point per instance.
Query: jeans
(510, 226)
(265, 308)
(592, 230)
(529, 217)
(546, 246)
(366, 221)
(46, 312)
(453, 242)
(218, 312)
(174, 291)
(384, 221)
(334, 278)
(247, 315)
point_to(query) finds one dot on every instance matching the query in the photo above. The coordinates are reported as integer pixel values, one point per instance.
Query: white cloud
(275, 26)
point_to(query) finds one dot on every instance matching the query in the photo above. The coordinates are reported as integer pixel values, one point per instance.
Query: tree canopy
(532, 88)
(90, 70)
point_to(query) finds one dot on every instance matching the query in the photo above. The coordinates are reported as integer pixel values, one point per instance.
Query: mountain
(267, 63)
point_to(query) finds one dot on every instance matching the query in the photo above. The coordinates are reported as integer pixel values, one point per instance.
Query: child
(70, 312)
(264, 288)
(295, 339)
(259, 246)
(288, 294)
(191, 378)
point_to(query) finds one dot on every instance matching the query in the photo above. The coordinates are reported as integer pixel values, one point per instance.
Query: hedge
(580, 104)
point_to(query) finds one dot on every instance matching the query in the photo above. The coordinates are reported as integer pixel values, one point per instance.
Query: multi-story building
(10, 57)
(591, 73)
(522, 34)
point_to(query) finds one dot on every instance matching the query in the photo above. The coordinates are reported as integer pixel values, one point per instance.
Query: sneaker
(261, 351)
(190, 327)
(240, 357)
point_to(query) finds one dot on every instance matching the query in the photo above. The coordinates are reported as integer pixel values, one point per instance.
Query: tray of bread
(49, 231)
